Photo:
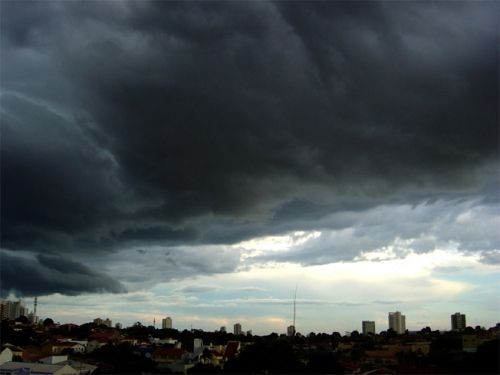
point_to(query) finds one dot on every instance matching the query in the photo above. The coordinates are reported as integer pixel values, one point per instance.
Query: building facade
(237, 329)
(397, 322)
(458, 322)
(106, 322)
(368, 326)
(166, 323)
(12, 310)
(290, 330)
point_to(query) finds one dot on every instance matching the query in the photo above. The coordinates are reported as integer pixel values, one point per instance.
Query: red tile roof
(169, 353)
(232, 349)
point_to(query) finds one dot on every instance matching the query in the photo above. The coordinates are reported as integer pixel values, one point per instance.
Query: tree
(479, 329)
(391, 333)
(268, 357)
(426, 331)
(323, 362)
(48, 322)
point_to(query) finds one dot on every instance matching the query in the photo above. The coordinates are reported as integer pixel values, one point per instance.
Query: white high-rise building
(12, 310)
(106, 322)
(458, 321)
(368, 327)
(290, 331)
(166, 323)
(397, 322)
(237, 329)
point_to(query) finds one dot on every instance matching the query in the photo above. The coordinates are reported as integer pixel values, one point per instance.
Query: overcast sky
(200, 159)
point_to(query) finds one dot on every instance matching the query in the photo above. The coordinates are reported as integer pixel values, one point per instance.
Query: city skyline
(254, 162)
(457, 322)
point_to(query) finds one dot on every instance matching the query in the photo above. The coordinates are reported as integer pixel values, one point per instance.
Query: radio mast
(294, 309)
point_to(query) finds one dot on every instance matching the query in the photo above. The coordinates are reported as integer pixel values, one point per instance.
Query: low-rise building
(61, 360)
(232, 349)
(15, 368)
(95, 344)
(67, 347)
(422, 347)
(6, 356)
(16, 350)
(53, 359)
(469, 343)
(168, 355)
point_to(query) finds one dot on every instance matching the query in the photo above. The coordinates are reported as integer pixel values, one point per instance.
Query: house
(94, 344)
(469, 343)
(106, 335)
(345, 346)
(53, 359)
(81, 342)
(67, 347)
(15, 368)
(380, 371)
(144, 350)
(214, 358)
(68, 326)
(384, 357)
(16, 350)
(168, 355)
(232, 349)
(83, 368)
(422, 347)
(6, 356)
(128, 340)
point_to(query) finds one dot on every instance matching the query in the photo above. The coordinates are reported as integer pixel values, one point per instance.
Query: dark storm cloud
(152, 123)
(160, 265)
(32, 276)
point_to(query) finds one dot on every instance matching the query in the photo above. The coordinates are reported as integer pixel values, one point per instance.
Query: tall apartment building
(106, 322)
(166, 323)
(290, 330)
(368, 327)
(237, 329)
(4, 310)
(12, 310)
(397, 322)
(458, 321)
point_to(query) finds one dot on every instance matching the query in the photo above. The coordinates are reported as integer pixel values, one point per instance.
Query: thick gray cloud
(24, 275)
(140, 270)
(400, 229)
(491, 257)
(137, 124)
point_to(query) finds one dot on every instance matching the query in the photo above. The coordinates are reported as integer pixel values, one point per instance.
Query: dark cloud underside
(159, 123)
(51, 274)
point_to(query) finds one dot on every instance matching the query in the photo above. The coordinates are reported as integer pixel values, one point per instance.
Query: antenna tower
(294, 308)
